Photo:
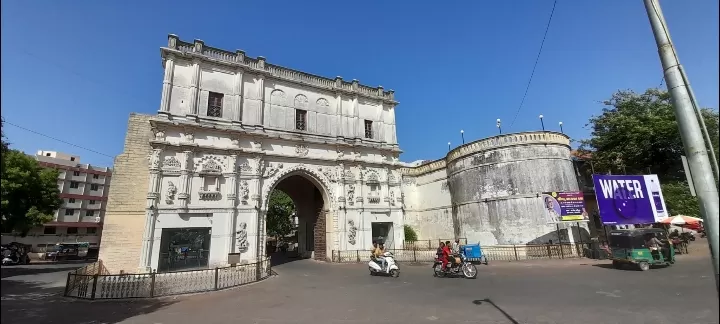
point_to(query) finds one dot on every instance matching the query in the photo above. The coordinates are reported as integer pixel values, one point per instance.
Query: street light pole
(561, 130)
(448, 146)
(462, 134)
(498, 126)
(690, 133)
(542, 122)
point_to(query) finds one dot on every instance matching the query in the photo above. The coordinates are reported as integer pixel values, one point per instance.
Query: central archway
(311, 197)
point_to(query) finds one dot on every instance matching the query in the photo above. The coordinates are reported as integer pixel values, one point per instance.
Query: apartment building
(84, 190)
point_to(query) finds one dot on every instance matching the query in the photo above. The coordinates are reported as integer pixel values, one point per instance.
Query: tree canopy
(638, 134)
(30, 194)
(279, 214)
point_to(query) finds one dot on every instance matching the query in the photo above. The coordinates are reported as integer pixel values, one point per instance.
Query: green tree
(410, 234)
(638, 134)
(279, 214)
(30, 194)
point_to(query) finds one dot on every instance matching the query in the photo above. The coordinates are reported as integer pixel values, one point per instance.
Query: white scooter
(391, 268)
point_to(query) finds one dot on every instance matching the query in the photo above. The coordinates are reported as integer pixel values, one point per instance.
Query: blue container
(472, 251)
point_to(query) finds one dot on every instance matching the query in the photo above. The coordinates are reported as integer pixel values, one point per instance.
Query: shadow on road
(490, 302)
(279, 258)
(29, 303)
(8, 272)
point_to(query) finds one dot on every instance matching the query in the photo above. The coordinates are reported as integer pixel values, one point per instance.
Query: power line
(59, 140)
(537, 59)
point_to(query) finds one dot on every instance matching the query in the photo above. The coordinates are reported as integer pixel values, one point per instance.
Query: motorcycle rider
(377, 254)
(456, 247)
(446, 254)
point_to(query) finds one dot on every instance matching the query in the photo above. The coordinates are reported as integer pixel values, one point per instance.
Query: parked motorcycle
(391, 268)
(461, 267)
(14, 253)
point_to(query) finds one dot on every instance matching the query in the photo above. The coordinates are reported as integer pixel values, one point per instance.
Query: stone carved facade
(217, 173)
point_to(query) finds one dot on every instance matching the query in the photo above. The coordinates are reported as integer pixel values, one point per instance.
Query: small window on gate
(368, 129)
(215, 102)
(300, 119)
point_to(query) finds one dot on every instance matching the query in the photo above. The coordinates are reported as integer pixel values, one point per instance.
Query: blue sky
(75, 70)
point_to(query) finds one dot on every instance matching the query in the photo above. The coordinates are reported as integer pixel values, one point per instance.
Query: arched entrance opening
(307, 238)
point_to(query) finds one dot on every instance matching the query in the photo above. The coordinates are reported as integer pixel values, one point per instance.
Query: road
(549, 291)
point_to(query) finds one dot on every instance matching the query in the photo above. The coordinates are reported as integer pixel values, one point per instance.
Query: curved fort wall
(492, 189)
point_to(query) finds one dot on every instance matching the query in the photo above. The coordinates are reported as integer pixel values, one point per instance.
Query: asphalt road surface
(561, 291)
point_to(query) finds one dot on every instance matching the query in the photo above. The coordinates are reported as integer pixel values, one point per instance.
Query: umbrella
(681, 220)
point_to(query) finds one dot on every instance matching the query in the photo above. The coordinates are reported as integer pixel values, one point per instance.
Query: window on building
(76, 173)
(215, 101)
(92, 202)
(368, 129)
(72, 230)
(91, 230)
(74, 185)
(69, 212)
(96, 176)
(71, 201)
(50, 230)
(89, 213)
(47, 154)
(300, 119)
(72, 158)
(94, 186)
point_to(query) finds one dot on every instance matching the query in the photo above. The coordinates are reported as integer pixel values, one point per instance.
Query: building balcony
(91, 219)
(69, 218)
(75, 205)
(373, 200)
(96, 206)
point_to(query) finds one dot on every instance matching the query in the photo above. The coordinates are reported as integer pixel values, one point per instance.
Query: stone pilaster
(264, 107)
(185, 179)
(238, 94)
(167, 85)
(339, 115)
(194, 89)
(357, 128)
(231, 184)
(150, 208)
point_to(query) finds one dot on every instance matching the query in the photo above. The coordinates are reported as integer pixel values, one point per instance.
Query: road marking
(609, 294)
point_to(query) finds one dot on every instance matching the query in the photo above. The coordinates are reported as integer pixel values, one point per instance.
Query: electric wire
(537, 59)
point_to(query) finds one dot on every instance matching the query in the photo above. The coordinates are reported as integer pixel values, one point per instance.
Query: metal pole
(462, 134)
(692, 137)
(561, 129)
(708, 142)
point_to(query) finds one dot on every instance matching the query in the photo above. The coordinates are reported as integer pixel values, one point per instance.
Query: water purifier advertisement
(629, 199)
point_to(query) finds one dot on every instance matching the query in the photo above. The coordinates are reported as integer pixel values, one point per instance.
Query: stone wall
(428, 208)
(488, 191)
(496, 187)
(124, 222)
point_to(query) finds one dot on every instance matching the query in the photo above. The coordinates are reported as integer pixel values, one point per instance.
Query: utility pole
(690, 132)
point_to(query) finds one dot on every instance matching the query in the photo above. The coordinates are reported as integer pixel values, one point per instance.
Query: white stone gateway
(232, 128)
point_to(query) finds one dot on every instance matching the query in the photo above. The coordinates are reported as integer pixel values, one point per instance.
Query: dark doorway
(308, 238)
(184, 249)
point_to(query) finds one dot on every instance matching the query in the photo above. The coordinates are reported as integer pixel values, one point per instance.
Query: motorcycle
(461, 267)
(14, 253)
(391, 268)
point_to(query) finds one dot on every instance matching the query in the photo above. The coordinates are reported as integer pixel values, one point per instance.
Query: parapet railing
(198, 47)
(537, 137)
(91, 283)
(491, 253)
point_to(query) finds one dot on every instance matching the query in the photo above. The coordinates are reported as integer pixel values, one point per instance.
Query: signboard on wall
(564, 207)
(629, 199)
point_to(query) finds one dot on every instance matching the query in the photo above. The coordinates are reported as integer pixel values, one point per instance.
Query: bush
(410, 235)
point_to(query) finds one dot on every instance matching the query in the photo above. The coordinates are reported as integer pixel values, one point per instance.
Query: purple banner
(629, 199)
(564, 207)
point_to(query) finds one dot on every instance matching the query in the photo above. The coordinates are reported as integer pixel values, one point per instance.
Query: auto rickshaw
(628, 247)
